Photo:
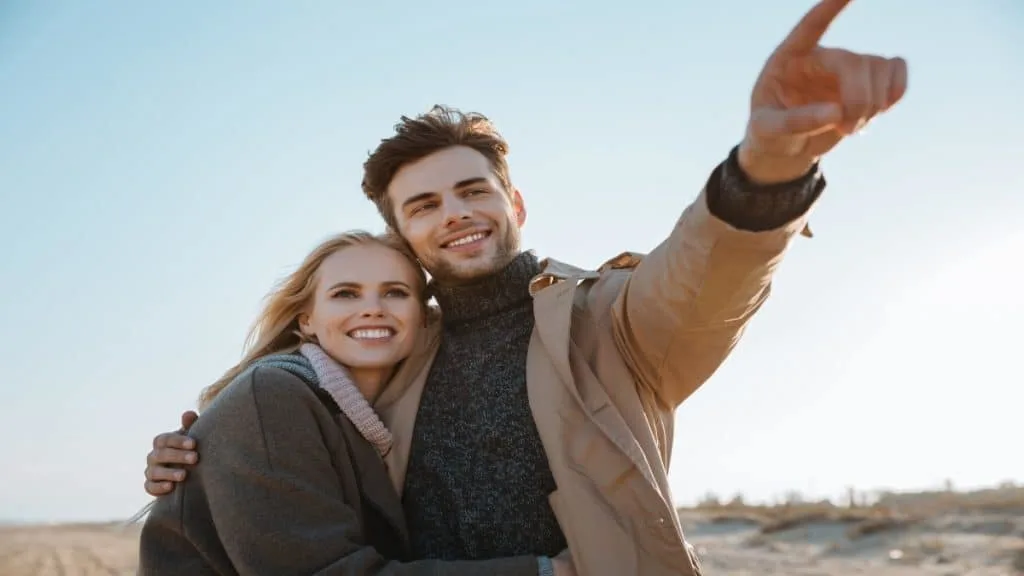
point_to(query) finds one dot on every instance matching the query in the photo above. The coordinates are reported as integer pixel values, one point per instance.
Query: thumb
(806, 120)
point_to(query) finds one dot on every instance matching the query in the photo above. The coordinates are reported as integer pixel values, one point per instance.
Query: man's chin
(467, 272)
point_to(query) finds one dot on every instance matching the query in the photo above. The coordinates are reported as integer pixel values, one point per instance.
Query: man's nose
(456, 210)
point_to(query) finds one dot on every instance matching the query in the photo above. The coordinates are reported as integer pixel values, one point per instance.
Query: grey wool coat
(287, 486)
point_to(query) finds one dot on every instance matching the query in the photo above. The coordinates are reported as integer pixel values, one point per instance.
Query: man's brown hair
(415, 138)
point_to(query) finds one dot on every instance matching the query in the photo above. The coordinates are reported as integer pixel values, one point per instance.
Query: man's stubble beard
(506, 250)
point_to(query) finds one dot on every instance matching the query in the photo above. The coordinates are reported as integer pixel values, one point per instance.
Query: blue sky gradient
(162, 164)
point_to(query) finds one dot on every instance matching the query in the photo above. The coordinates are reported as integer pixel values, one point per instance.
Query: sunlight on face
(366, 309)
(454, 212)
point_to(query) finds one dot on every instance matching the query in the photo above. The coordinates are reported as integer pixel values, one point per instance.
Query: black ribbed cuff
(745, 205)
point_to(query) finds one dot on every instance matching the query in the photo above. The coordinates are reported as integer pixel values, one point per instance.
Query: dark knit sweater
(478, 480)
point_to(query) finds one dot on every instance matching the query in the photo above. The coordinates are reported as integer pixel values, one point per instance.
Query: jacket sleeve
(164, 548)
(686, 304)
(267, 493)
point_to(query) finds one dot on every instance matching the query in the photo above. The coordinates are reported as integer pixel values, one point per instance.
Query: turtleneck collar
(502, 290)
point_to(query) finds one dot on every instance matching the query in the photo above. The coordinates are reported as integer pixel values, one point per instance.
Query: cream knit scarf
(335, 379)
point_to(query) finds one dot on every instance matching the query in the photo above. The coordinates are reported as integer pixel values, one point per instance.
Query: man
(544, 415)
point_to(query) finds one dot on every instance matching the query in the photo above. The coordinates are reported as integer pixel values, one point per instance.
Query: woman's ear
(304, 325)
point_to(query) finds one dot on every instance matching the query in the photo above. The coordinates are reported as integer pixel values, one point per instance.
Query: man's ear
(519, 206)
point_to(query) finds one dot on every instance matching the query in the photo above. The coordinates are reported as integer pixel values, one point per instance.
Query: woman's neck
(370, 381)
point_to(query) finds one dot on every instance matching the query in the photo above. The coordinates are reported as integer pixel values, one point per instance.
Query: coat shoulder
(262, 382)
(262, 392)
(624, 261)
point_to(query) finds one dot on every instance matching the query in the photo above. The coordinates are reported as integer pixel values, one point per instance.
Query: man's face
(454, 212)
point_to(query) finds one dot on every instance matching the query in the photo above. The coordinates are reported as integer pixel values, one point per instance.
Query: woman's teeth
(370, 333)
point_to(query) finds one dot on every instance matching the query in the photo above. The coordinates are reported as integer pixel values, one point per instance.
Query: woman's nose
(373, 308)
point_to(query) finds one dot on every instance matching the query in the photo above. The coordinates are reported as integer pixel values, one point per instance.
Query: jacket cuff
(733, 198)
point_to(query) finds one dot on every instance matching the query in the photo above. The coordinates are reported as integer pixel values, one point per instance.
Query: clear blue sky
(161, 164)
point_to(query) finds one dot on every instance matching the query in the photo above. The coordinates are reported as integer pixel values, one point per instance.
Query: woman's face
(366, 309)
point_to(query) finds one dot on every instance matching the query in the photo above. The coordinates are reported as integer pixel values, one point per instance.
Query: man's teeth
(371, 333)
(467, 239)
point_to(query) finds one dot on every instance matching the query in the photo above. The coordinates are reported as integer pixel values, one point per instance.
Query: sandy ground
(946, 545)
(68, 550)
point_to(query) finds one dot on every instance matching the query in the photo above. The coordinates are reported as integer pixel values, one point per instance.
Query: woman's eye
(396, 293)
(346, 294)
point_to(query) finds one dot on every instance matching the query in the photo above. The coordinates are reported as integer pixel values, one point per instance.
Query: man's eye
(424, 206)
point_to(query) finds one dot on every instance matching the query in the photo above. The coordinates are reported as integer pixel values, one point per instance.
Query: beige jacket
(613, 353)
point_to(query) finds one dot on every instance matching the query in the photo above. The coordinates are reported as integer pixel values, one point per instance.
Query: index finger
(188, 419)
(812, 27)
(173, 440)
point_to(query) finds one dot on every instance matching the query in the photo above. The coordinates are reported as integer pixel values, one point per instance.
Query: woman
(295, 482)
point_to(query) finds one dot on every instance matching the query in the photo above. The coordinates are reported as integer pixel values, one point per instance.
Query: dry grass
(878, 524)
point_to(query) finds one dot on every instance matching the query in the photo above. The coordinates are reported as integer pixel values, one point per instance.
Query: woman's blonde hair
(276, 329)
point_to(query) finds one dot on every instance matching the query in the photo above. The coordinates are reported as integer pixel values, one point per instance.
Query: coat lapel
(553, 293)
(373, 480)
(400, 401)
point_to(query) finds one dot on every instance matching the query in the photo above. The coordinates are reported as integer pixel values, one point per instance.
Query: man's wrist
(766, 170)
(746, 205)
(545, 567)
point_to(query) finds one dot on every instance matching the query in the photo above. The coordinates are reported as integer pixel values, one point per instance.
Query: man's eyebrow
(418, 198)
(460, 184)
(470, 182)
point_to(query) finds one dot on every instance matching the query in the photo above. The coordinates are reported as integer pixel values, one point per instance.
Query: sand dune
(918, 535)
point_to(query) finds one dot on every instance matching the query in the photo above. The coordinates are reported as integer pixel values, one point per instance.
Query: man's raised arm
(686, 304)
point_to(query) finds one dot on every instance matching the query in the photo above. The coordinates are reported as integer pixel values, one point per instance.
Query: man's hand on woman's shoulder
(171, 452)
